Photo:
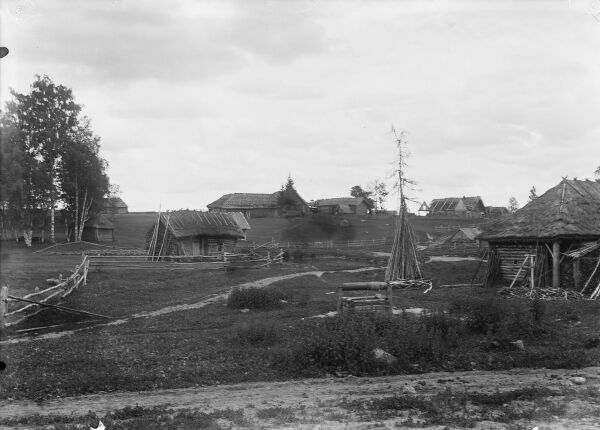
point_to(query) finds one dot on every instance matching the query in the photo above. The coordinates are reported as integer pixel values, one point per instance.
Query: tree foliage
(50, 159)
(358, 192)
(380, 193)
(597, 173)
(532, 194)
(288, 197)
(513, 205)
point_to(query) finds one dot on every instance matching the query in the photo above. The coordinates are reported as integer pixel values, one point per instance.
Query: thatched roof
(469, 233)
(241, 220)
(186, 223)
(342, 201)
(450, 203)
(100, 221)
(571, 209)
(246, 201)
(113, 202)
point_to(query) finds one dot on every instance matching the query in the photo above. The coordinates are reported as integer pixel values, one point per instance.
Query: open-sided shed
(555, 228)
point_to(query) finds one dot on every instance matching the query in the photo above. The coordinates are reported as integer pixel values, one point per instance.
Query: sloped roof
(340, 201)
(449, 203)
(496, 210)
(113, 202)
(100, 221)
(246, 201)
(241, 220)
(571, 209)
(186, 223)
(470, 233)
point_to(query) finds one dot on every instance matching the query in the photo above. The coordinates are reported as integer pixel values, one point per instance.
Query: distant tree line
(49, 159)
(374, 196)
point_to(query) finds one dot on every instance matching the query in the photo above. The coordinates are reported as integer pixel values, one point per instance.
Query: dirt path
(321, 399)
(206, 300)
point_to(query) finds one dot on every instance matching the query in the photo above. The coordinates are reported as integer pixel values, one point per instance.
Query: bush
(254, 298)
(345, 343)
(256, 333)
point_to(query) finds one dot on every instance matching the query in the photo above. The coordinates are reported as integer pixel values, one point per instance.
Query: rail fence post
(3, 305)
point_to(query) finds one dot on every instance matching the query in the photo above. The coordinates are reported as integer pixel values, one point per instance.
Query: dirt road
(323, 402)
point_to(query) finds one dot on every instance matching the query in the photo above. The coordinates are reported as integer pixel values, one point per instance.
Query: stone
(578, 380)
(408, 389)
(384, 357)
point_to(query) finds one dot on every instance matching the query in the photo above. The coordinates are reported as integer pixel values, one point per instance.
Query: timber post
(556, 264)
(576, 273)
(3, 305)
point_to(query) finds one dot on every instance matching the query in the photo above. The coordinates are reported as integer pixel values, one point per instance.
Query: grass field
(463, 329)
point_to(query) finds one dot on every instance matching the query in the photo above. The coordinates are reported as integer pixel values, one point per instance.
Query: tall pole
(556, 264)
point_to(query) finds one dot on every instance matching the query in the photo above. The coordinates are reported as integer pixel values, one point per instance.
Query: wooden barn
(465, 235)
(193, 233)
(114, 205)
(559, 231)
(466, 207)
(343, 206)
(256, 205)
(99, 229)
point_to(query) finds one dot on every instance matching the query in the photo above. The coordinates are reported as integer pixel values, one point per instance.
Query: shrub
(256, 333)
(345, 343)
(254, 298)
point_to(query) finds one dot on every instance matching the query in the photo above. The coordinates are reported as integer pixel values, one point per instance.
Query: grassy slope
(131, 228)
(206, 346)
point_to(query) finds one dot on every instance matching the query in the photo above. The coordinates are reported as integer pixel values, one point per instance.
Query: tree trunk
(83, 215)
(68, 239)
(76, 232)
(52, 235)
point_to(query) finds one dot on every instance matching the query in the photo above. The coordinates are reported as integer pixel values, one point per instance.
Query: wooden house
(496, 211)
(256, 205)
(114, 205)
(465, 207)
(465, 235)
(193, 233)
(343, 206)
(99, 229)
(560, 229)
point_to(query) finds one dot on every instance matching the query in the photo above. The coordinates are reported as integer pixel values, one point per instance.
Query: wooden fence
(327, 244)
(37, 300)
(202, 262)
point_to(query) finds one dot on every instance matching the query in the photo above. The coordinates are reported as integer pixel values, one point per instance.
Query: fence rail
(36, 301)
(204, 262)
(327, 244)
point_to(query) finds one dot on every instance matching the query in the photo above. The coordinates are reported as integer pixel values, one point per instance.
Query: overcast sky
(196, 99)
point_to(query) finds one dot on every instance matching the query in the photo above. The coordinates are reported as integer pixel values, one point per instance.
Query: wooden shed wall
(511, 256)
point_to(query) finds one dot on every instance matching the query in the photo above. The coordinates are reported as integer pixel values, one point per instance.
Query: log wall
(510, 258)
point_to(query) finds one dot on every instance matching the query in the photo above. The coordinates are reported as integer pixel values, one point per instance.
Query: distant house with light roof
(343, 206)
(464, 207)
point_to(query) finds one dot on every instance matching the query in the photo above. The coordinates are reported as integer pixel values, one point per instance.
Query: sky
(196, 99)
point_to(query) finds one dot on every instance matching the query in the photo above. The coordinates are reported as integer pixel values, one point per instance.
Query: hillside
(131, 228)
